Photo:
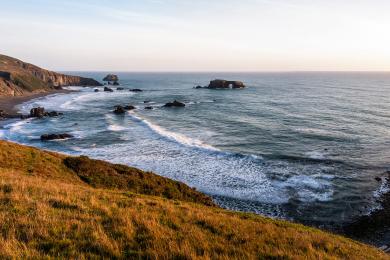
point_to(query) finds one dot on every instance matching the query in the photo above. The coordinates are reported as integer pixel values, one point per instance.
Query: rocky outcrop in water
(18, 78)
(225, 84)
(107, 89)
(119, 110)
(175, 104)
(49, 137)
(111, 78)
(39, 112)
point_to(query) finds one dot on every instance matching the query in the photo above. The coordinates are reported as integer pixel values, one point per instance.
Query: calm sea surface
(301, 146)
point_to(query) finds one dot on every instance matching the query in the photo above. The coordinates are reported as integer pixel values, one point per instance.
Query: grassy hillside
(58, 206)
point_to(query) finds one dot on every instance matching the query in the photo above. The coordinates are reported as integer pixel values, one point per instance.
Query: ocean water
(299, 146)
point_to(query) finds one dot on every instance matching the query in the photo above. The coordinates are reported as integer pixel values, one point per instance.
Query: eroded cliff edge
(18, 78)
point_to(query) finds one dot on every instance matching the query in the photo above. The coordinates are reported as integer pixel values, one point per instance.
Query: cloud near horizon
(172, 35)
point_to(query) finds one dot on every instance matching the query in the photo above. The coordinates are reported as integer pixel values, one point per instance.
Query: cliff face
(18, 78)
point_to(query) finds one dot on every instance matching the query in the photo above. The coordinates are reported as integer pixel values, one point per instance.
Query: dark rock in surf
(116, 83)
(52, 114)
(49, 137)
(129, 107)
(96, 90)
(147, 101)
(119, 110)
(37, 112)
(120, 88)
(107, 89)
(175, 104)
(148, 108)
(135, 90)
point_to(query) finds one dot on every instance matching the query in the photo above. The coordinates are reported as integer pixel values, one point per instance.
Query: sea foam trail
(84, 98)
(179, 138)
(215, 172)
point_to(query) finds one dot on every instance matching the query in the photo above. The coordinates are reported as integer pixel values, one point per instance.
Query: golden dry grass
(49, 215)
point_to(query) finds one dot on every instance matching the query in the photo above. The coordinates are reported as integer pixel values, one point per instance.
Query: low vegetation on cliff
(52, 205)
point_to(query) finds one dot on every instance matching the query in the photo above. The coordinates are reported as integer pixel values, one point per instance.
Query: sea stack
(225, 84)
(112, 79)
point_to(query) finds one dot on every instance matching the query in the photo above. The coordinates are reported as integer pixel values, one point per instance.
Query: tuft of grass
(54, 214)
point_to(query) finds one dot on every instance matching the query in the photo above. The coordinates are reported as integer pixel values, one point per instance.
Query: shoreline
(8, 103)
(374, 228)
(362, 229)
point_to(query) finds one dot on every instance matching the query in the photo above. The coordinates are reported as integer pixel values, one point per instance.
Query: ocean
(310, 147)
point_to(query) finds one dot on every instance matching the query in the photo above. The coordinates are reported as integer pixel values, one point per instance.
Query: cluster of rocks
(123, 109)
(223, 84)
(175, 104)
(108, 89)
(39, 112)
(119, 109)
(112, 79)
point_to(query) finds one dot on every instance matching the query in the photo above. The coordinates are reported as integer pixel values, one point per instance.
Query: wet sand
(8, 104)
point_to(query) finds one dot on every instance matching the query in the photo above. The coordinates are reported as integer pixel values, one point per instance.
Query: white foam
(116, 128)
(182, 139)
(72, 101)
(316, 155)
(310, 188)
(383, 189)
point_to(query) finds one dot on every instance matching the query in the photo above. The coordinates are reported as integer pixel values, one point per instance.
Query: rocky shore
(375, 227)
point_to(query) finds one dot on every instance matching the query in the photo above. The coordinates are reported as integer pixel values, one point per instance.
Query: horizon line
(229, 71)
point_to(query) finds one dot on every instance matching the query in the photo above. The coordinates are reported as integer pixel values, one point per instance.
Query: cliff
(56, 206)
(18, 78)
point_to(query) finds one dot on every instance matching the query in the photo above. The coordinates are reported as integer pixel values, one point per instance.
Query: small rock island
(112, 79)
(221, 83)
(224, 84)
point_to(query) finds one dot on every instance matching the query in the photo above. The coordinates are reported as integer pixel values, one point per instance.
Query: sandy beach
(8, 104)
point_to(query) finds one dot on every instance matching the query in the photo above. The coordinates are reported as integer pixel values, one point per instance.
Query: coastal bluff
(18, 78)
(58, 206)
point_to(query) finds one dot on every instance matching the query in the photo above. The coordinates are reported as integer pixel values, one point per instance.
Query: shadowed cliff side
(18, 78)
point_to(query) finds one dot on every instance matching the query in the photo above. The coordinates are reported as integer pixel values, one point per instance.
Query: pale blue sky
(219, 35)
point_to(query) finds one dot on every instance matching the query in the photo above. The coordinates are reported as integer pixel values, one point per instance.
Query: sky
(201, 35)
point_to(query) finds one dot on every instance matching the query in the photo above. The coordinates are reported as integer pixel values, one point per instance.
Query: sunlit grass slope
(58, 206)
